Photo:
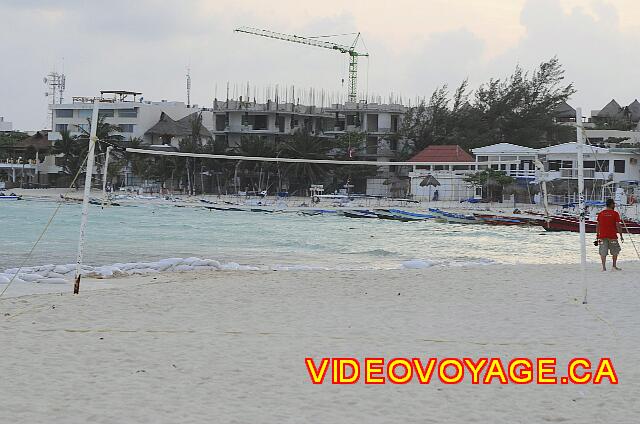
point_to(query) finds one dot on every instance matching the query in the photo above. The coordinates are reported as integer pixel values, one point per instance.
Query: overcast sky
(415, 45)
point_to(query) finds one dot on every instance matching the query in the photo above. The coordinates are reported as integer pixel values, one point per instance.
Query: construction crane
(350, 50)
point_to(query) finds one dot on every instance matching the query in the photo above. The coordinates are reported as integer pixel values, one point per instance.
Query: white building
(440, 174)
(124, 109)
(608, 164)
(5, 126)
(516, 161)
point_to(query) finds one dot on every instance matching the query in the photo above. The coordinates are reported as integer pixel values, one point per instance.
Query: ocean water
(269, 241)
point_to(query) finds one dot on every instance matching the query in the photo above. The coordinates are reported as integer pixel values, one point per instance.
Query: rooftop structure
(5, 126)
(126, 110)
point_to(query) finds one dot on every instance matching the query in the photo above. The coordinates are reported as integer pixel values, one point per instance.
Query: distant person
(436, 195)
(607, 229)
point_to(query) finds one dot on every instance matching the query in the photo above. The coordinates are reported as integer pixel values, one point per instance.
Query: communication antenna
(55, 82)
(188, 86)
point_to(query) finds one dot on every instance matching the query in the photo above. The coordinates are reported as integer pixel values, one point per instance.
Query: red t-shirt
(607, 220)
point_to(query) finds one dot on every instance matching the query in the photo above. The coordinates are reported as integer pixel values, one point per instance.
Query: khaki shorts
(609, 245)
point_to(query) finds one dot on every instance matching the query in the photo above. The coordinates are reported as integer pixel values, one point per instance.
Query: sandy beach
(230, 346)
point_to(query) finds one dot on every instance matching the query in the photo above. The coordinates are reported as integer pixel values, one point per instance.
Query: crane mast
(350, 50)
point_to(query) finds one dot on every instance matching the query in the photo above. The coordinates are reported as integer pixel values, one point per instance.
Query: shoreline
(228, 344)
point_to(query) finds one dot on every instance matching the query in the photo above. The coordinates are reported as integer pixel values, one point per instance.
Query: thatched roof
(563, 110)
(166, 126)
(634, 110)
(429, 181)
(611, 110)
(39, 141)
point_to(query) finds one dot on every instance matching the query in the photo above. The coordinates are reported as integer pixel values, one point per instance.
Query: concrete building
(233, 119)
(5, 126)
(610, 166)
(373, 127)
(379, 125)
(125, 109)
(606, 164)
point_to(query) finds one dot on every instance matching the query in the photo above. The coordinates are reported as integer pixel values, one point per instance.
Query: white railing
(573, 173)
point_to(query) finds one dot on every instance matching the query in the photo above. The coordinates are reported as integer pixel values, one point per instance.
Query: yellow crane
(350, 50)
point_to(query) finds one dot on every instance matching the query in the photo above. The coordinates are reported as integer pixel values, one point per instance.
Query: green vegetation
(518, 109)
(492, 182)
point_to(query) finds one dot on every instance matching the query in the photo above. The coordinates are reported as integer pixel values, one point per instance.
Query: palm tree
(260, 171)
(305, 146)
(104, 132)
(73, 153)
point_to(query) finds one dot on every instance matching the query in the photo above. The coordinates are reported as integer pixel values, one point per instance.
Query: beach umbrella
(429, 181)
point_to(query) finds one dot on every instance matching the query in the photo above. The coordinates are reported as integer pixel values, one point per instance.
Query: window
(128, 113)
(483, 158)
(554, 165)
(107, 113)
(221, 122)
(351, 120)
(84, 113)
(126, 128)
(83, 128)
(567, 164)
(64, 113)
(61, 127)
(260, 122)
(618, 166)
(602, 166)
(589, 164)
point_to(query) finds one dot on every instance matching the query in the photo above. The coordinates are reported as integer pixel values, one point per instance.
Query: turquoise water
(282, 240)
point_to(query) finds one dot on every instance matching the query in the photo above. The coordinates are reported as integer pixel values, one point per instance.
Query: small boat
(216, 208)
(500, 220)
(455, 218)
(11, 196)
(402, 215)
(359, 214)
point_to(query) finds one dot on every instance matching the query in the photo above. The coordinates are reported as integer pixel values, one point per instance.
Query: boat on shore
(455, 218)
(11, 196)
(571, 223)
(359, 214)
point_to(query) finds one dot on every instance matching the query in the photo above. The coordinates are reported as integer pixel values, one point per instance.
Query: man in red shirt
(607, 230)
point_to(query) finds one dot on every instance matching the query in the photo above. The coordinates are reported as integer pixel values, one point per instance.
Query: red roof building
(443, 153)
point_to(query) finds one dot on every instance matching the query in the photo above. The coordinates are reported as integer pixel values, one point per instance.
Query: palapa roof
(563, 110)
(611, 110)
(634, 110)
(166, 126)
(39, 141)
(443, 153)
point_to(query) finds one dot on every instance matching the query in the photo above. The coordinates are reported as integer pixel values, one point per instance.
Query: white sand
(230, 346)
